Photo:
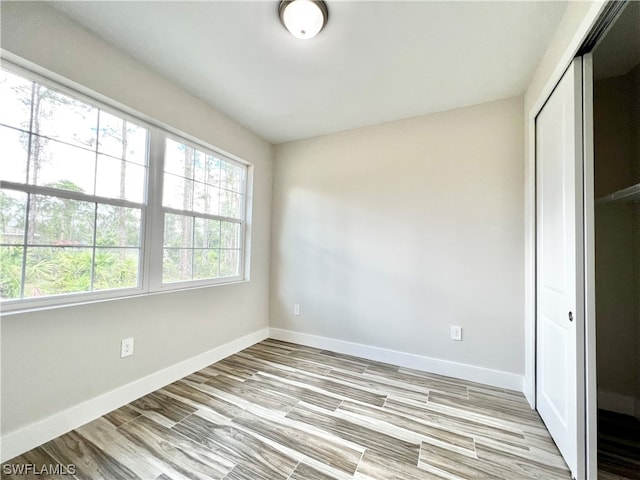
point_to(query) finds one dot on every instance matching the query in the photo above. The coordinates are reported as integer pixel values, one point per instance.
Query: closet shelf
(626, 195)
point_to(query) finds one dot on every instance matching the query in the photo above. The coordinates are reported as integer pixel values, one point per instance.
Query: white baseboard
(448, 368)
(615, 402)
(28, 437)
(529, 392)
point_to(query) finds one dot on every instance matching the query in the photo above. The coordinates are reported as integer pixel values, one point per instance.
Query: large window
(74, 211)
(203, 205)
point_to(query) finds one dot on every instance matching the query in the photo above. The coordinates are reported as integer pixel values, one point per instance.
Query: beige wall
(55, 359)
(387, 235)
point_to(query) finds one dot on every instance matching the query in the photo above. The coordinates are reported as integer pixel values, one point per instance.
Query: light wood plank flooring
(282, 411)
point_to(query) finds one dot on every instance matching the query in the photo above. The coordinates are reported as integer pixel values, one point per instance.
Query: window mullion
(95, 157)
(190, 213)
(69, 194)
(193, 245)
(219, 249)
(154, 225)
(33, 88)
(95, 211)
(23, 273)
(23, 270)
(93, 247)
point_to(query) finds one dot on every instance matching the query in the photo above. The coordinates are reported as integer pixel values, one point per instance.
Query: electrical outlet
(296, 309)
(456, 332)
(126, 347)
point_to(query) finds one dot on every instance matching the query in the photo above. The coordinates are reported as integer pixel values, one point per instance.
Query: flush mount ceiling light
(303, 18)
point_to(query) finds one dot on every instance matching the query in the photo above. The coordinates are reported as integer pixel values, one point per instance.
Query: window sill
(54, 303)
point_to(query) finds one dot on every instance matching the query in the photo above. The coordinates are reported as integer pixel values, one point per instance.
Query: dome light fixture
(303, 18)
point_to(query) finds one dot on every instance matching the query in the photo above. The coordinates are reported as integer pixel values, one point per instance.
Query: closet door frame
(591, 388)
(590, 27)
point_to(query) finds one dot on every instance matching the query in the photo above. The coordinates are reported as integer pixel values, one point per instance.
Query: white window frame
(156, 279)
(152, 211)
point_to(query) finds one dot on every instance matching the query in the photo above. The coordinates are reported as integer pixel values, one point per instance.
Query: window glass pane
(13, 152)
(58, 165)
(200, 197)
(230, 235)
(229, 263)
(232, 177)
(61, 117)
(15, 98)
(118, 226)
(10, 271)
(121, 138)
(178, 231)
(206, 199)
(55, 270)
(115, 268)
(206, 264)
(176, 265)
(199, 164)
(207, 233)
(120, 179)
(60, 221)
(178, 159)
(12, 214)
(230, 204)
(216, 172)
(207, 169)
(178, 192)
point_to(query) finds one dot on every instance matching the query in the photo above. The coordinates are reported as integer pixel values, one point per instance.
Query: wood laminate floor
(282, 411)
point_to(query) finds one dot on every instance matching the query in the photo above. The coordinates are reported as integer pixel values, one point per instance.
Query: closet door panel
(559, 268)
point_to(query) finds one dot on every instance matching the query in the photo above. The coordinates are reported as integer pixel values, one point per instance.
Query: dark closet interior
(616, 107)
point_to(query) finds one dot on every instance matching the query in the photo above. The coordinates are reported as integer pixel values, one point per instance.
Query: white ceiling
(375, 61)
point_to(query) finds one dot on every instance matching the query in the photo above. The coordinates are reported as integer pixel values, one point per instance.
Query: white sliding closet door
(559, 268)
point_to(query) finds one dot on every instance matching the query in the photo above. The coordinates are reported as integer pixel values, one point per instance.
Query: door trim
(590, 380)
(584, 32)
(593, 26)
